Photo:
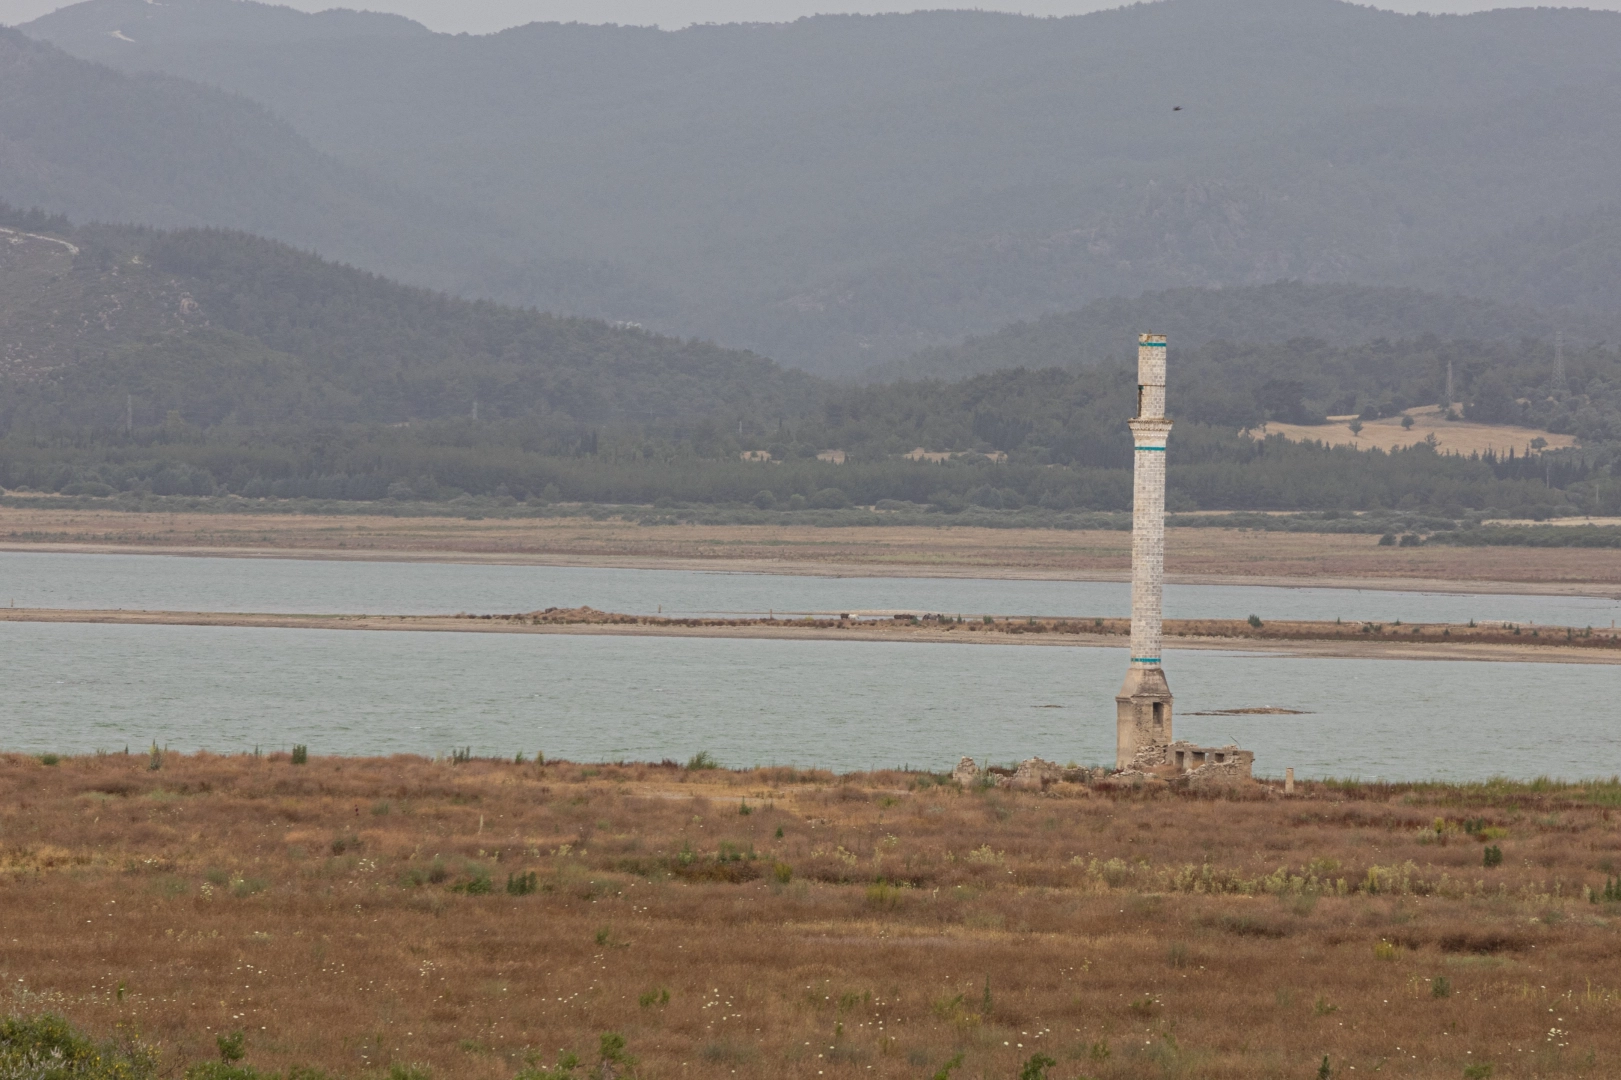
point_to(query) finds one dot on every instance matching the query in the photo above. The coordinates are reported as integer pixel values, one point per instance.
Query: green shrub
(232, 1046)
(1440, 987)
(461, 756)
(49, 759)
(50, 1048)
(479, 885)
(1036, 1067)
(522, 884)
(1480, 1070)
(657, 996)
(301, 754)
(702, 760)
(1255, 622)
(1493, 856)
(782, 872)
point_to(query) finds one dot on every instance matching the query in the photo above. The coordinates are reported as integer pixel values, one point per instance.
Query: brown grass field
(1192, 555)
(871, 925)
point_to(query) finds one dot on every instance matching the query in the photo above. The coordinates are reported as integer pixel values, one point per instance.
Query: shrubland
(484, 918)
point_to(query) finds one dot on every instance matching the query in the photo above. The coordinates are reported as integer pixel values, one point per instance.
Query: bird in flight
(1176, 108)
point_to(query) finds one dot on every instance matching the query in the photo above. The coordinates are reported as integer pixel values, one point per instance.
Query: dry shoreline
(1310, 642)
(1193, 555)
(807, 568)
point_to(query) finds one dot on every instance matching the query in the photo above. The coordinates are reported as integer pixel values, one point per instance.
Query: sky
(488, 16)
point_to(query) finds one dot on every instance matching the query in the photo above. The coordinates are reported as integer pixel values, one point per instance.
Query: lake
(842, 705)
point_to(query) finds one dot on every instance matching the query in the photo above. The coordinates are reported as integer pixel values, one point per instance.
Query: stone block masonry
(1143, 706)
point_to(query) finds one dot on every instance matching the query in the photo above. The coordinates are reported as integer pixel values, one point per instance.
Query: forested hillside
(203, 362)
(1105, 331)
(840, 192)
(116, 326)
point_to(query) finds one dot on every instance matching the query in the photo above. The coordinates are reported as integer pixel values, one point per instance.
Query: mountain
(84, 140)
(1104, 331)
(104, 325)
(843, 191)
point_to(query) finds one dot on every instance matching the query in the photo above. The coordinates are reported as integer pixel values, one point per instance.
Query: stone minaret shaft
(1143, 705)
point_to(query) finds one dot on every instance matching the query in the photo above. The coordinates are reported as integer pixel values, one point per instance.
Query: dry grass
(1451, 436)
(1217, 555)
(1126, 935)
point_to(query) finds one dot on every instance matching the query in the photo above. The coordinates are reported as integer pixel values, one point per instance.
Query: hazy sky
(485, 16)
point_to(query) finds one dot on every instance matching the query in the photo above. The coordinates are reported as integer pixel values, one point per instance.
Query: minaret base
(1143, 719)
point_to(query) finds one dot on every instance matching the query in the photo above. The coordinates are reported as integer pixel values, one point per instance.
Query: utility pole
(1559, 358)
(1450, 392)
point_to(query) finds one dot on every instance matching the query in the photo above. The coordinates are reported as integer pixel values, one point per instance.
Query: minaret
(1143, 707)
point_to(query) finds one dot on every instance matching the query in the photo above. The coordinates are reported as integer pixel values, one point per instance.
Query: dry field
(1451, 436)
(1192, 555)
(874, 925)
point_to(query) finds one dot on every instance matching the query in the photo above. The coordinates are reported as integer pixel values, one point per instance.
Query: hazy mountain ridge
(222, 327)
(841, 191)
(1103, 332)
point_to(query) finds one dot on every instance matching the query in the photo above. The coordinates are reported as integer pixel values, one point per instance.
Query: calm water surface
(160, 583)
(842, 705)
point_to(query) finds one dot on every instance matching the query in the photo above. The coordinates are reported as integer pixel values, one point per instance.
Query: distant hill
(103, 324)
(1567, 263)
(1104, 331)
(844, 191)
(96, 144)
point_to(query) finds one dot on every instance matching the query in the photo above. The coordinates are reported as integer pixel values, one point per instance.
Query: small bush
(49, 759)
(480, 885)
(702, 760)
(301, 754)
(1255, 622)
(782, 872)
(461, 756)
(1440, 987)
(232, 1047)
(522, 884)
(1035, 1068)
(1492, 856)
(657, 996)
(744, 808)
(1480, 1070)
(1178, 957)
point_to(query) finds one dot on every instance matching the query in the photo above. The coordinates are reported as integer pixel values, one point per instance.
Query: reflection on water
(840, 705)
(158, 583)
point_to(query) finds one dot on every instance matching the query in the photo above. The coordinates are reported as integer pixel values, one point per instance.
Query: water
(158, 583)
(842, 705)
